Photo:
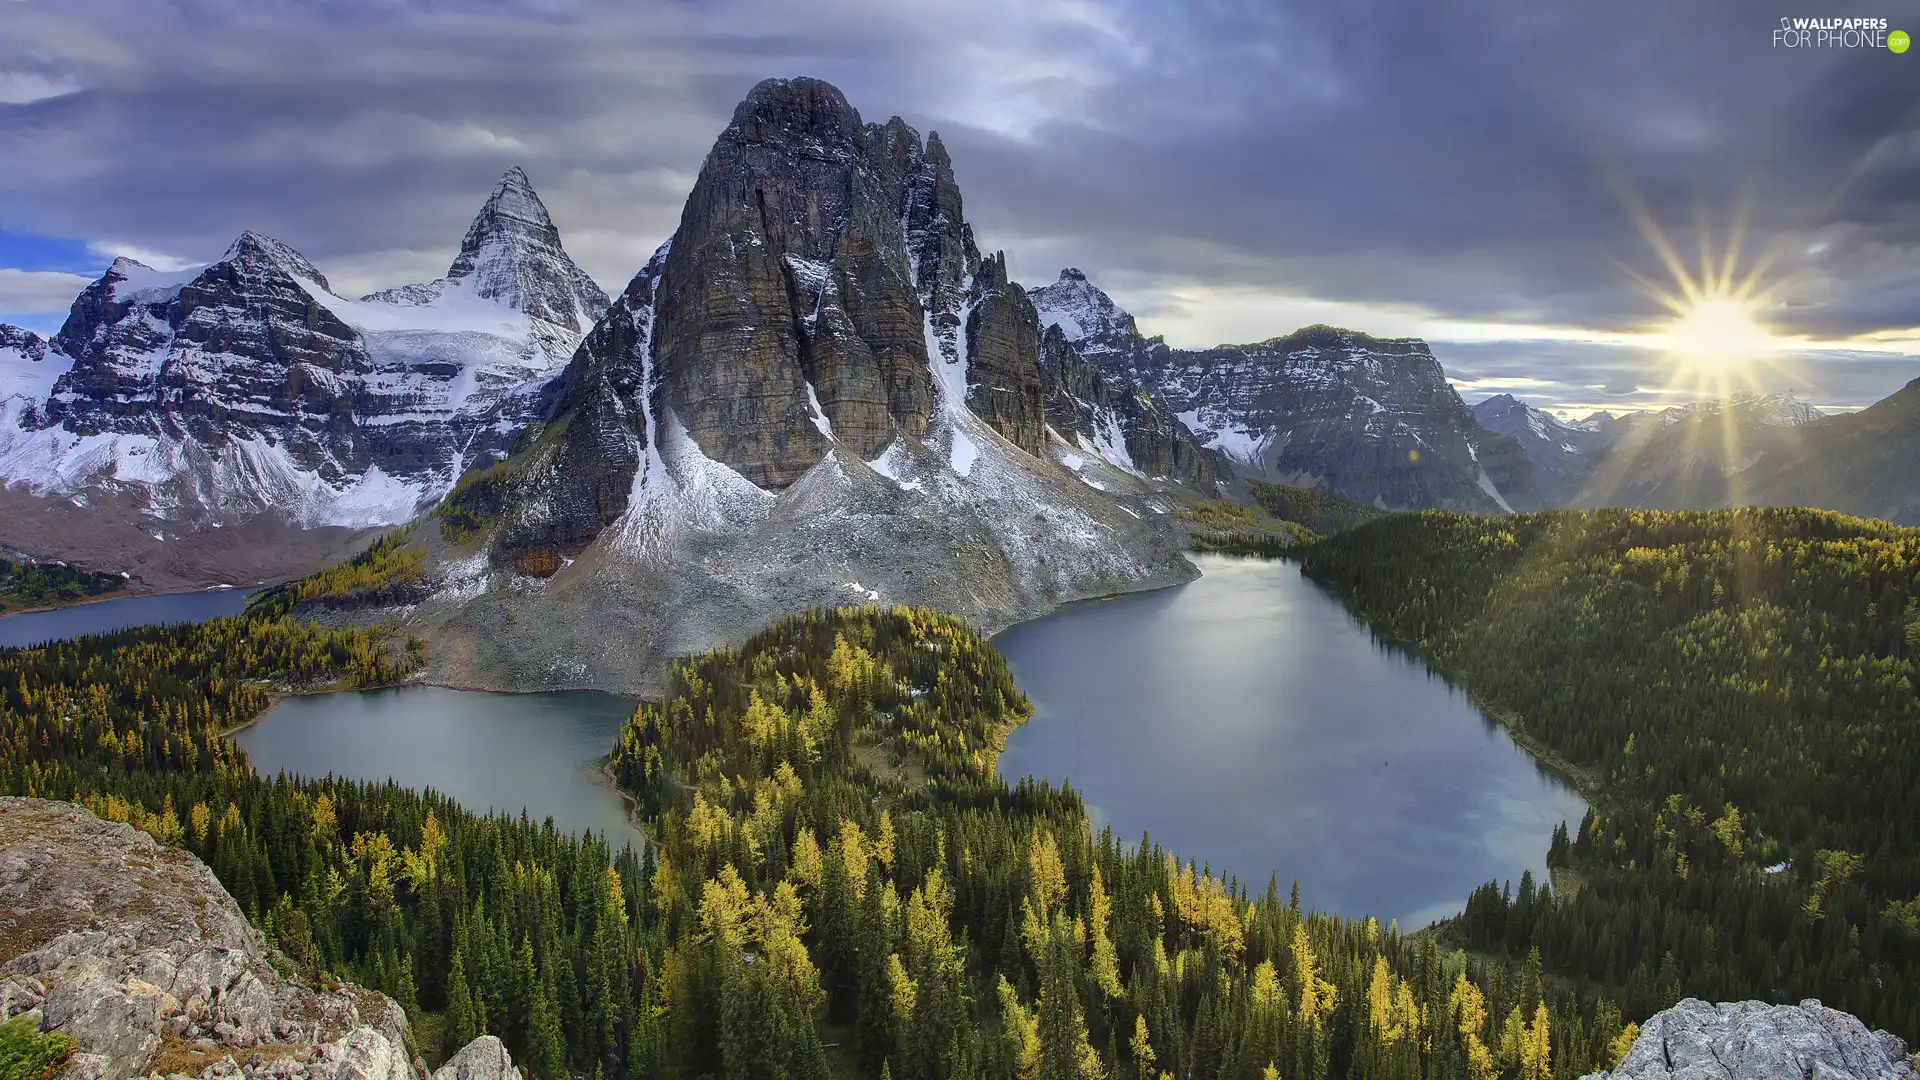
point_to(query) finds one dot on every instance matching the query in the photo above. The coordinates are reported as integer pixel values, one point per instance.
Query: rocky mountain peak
(28, 344)
(796, 109)
(1097, 327)
(255, 250)
(794, 303)
(512, 254)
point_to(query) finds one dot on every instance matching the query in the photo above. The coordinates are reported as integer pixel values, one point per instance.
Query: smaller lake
(504, 752)
(1248, 721)
(107, 616)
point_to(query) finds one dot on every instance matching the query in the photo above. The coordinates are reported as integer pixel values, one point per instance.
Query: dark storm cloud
(1463, 159)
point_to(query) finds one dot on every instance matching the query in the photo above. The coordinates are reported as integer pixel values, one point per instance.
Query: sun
(1714, 335)
(1718, 334)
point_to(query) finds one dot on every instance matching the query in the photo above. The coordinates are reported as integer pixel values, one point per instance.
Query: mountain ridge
(1372, 419)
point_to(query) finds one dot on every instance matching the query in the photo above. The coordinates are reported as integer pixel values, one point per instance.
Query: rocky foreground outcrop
(1751, 1040)
(134, 950)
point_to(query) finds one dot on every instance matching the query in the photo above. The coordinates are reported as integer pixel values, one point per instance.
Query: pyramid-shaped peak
(512, 253)
(252, 248)
(1087, 316)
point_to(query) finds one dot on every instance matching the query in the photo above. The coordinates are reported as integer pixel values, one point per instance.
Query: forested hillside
(842, 885)
(26, 584)
(1739, 687)
(842, 865)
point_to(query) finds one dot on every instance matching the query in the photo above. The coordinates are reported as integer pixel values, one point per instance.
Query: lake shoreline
(1352, 768)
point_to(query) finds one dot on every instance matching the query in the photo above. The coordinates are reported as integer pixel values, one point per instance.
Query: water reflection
(1248, 720)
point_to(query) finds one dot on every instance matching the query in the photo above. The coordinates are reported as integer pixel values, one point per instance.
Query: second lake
(1248, 721)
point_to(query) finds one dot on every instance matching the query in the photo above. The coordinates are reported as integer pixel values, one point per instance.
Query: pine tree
(462, 1023)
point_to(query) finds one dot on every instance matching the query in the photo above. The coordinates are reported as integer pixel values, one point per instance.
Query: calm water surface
(505, 752)
(1248, 721)
(106, 616)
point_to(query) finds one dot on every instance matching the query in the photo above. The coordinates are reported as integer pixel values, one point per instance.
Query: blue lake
(106, 616)
(1245, 719)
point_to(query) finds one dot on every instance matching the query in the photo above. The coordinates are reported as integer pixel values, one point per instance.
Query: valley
(765, 670)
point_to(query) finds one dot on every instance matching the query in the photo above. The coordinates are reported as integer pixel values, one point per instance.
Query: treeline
(845, 887)
(1739, 686)
(28, 584)
(841, 883)
(386, 565)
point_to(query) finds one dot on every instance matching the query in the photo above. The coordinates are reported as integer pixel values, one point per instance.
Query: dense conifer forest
(841, 884)
(1737, 688)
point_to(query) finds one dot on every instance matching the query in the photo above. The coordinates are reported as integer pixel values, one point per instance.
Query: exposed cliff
(132, 949)
(819, 391)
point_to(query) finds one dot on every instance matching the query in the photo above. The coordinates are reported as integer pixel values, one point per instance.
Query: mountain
(1689, 456)
(818, 391)
(1562, 453)
(1694, 456)
(1371, 419)
(185, 402)
(1099, 328)
(1858, 463)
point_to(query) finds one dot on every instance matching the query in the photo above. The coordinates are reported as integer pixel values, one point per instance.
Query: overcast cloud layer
(1227, 170)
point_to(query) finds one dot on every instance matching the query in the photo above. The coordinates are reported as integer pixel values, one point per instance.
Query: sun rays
(1713, 336)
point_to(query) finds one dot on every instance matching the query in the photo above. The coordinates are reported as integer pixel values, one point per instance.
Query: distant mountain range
(1749, 449)
(818, 390)
(1371, 419)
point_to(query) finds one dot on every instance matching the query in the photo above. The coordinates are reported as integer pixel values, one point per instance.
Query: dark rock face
(578, 477)
(1004, 384)
(28, 345)
(243, 340)
(788, 272)
(817, 262)
(1094, 409)
(1371, 419)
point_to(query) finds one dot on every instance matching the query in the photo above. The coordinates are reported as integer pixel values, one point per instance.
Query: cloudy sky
(1482, 173)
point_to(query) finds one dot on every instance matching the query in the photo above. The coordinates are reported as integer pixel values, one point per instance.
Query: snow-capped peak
(252, 248)
(1096, 326)
(512, 255)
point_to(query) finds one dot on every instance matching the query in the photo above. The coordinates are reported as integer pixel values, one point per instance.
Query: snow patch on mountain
(264, 390)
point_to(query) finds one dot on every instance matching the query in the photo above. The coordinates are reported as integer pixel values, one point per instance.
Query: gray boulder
(1751, 1040)
(485, 1058)
(134, 950)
